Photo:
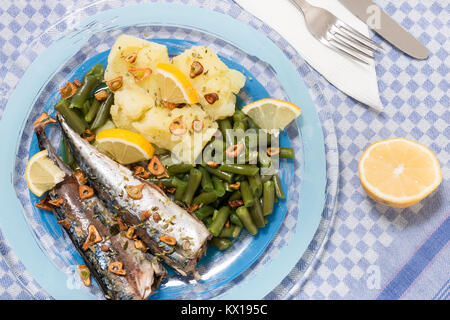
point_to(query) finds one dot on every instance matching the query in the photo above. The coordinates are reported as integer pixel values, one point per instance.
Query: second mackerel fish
(142, 204)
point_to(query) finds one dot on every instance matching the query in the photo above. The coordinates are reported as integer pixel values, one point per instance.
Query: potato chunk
(216, 78)
(148, 55)
(155, 127)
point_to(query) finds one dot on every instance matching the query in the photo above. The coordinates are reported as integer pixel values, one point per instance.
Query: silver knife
(385, 26)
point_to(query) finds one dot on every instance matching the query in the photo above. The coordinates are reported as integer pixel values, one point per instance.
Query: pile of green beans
(228, 197)
(82, 111)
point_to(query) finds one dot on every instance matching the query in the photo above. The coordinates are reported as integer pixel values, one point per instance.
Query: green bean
(266, 177)
(264, 160)
(219, 221)
(179, 168)
(205, 198)
(227, 232)
(247, 194)
(83, 92)
(166, 182)
(86, 107)
(278, 188)
(256, 185)
(251, 124)
(243, 169)
(204, 212)
(239, 125)
(195, 178)
(251, 156)
(230, 232)
(239, 116)
(208, 221)
(100, 87)
(215, 213)
(225, 176)
(257, 214)
(251, 148)
(218, 203)
(269, 169)
(266, 221)
(237, 231)
(219, 187)
(166, 160)
(180, 186)
(236, 195)
(96, 71)
(71, 116)
(206, 183)
(90, 116)
(268, 197)
(103, 113)
(246, 219)
(221, 243)
(225, 125)
(214, 151)
(287, 153)
(235, 219)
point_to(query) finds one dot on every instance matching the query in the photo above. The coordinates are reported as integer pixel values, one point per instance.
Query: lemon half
(399, 172)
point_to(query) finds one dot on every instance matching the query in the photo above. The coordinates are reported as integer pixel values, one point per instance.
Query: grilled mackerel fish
(119, 264)
(169, 231)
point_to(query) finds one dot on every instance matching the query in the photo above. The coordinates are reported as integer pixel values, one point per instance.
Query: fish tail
(44, 143)
(42, 121)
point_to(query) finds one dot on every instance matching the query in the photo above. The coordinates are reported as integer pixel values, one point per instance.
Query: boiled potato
(135, 98)
(137, 105)
(155, 127)
(148, 55)
(130, 104)
(216, 78)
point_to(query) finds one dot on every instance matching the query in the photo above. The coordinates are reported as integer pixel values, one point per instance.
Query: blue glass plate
(254, 265)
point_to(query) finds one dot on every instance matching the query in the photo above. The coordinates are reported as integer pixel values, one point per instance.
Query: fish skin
(144, 271)
(109, 179)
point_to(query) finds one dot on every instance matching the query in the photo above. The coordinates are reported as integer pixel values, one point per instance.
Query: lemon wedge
(124, 146)
(399, 172)
(42, 174)
(272, 114)
(174, 85)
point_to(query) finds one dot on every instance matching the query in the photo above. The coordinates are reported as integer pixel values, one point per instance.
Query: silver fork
(336, 34)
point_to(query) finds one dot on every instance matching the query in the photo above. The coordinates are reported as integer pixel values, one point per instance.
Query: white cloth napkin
(355, 79)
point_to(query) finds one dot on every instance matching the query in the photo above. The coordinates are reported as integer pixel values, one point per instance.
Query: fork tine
(349, 47)
(342, 25)
(341, 51)
(356, 42)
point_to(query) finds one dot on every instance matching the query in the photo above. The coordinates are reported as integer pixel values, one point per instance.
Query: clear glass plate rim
(310, 88)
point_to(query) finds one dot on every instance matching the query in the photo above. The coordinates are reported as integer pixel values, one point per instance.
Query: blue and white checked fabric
(371, 251)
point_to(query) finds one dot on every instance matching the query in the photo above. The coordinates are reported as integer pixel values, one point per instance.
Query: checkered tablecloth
(372, 251)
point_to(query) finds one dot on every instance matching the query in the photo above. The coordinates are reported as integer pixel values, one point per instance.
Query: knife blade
(368, 12)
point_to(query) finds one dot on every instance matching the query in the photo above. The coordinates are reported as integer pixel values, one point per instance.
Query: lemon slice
(42, 174)
(399, 172)
(271, 114)
(124, 146)
(174, 85)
